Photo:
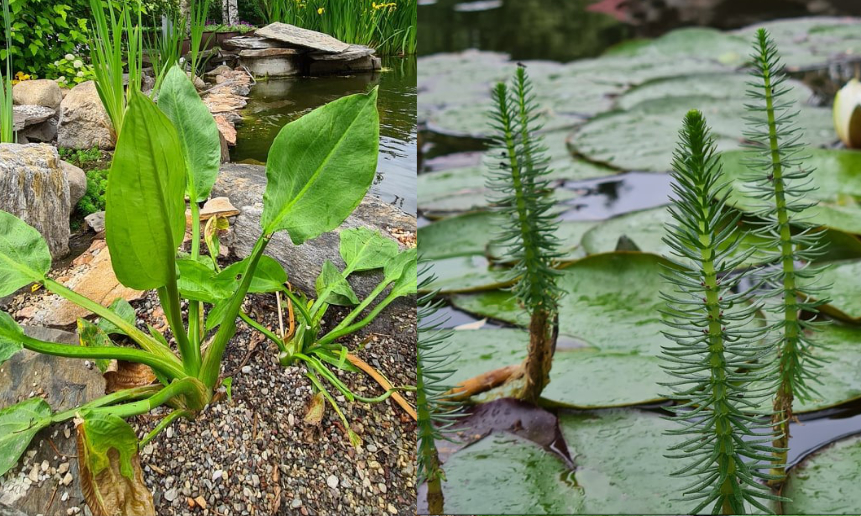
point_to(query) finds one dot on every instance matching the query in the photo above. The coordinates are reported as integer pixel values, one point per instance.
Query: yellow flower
(320, 10)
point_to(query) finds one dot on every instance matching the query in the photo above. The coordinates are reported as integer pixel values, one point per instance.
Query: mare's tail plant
(7, 134)
(520, 196)
(436, 409)
(721, 366)
(780, 182)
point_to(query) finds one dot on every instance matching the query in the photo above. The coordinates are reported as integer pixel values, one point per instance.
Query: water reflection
(274, 103)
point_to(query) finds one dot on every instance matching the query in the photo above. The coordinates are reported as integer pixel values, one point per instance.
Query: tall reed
(390, 27)
(7, 134)
(197, 25)
(165, 48)
(107, 50)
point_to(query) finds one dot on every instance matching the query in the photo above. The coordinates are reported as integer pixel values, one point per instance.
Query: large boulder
(84, 123)
(34, 187)
(244, 186)
(40, 92)
(77, 179)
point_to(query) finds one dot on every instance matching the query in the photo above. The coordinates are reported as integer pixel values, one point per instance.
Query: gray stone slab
(302, 37)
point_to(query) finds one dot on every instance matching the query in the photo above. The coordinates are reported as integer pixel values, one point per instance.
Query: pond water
(274, 103)
(564, 32)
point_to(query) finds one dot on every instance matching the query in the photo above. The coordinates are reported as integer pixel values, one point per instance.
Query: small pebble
(34, 473)
(170, 494)
(45, 465)
(296, 503)
(67, 479)
(246, 369)
(63, 469)
(332, 481)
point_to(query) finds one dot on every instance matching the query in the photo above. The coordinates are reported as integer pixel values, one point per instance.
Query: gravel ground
(254, 454)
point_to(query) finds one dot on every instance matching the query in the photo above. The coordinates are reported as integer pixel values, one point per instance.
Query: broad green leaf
(395, 268)
(321, 166)
(93, 336)
(333, 288)
(198, 134)
(825, 482)
(122, 308)
(505, 474)
(462, 235)
(145, 209)
(406, 284)
(269, 276)
(18, 424)
(835, 184)
(24, 254)
(363, 249)
(580, 377)
(845, 281)
(11, 337)
(215, 317)
(197, 282)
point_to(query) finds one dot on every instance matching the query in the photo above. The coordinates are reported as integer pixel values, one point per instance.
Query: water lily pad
(505, 474)
(716, 85)
(845, 280)
(467, 274)
(826, 482)
(837, 179)
(580, 378)
(808, 43)
(643, 138)
(612, 303)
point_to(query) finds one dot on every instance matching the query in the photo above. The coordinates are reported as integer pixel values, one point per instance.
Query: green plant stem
(361, 307)
(298, 304)
(111, 352)
(435, 498)
(141, 338)
(169, 297)
(164, 423)
(788, 351)
(346, 330)
(196, 397)
(194, 306)
(212, 360)
(264, 330)
(110, 399)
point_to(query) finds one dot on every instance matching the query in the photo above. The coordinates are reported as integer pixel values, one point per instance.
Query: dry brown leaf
(126, 375)
(109, 493)
(316, 409)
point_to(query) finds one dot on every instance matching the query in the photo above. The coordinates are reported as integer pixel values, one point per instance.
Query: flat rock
(84, 123)
(252, 43)
(269, 52)
(351, 53)
(34, 187)
(223, 101)
(225, 127)
(91, 275)
(293, 35)
(331, 67)
(64, 383)
(39, 92)
(30, 115)
(245, 184)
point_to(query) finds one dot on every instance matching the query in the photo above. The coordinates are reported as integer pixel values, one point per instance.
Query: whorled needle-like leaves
(779, 181)
(519, 186)
(717, 357)
(436, 410)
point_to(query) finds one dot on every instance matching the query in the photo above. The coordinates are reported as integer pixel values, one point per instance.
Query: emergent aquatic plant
(7, 135)
(436, 409)
(721, 366)
(110, 54)
(780, 182)
(197, 26)
(520, 197)
(162, 155)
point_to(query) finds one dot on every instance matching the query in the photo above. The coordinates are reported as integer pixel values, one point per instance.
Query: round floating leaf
(845, 281)
(467, 274)
(504, 474)
(463, 235)
(24, 254)
(612, 303)
(827, 481)
(580, 378)
(18, 424)
(643, 138)
(836, 179)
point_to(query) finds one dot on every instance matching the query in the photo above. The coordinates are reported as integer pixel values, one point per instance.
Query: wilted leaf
(210, 234)
(126, 375)
(111, 477)
(316, 409)
(18, 424)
